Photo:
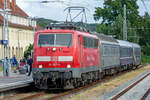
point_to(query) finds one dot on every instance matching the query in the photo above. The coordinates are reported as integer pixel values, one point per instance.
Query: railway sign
(4, 42)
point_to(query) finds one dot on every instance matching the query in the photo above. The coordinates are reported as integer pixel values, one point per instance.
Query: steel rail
(146, 94)
(128, 88)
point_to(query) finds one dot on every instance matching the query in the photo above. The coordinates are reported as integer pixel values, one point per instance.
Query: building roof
(15, 10)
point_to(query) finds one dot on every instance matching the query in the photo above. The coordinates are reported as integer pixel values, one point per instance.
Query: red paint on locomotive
(76, 55)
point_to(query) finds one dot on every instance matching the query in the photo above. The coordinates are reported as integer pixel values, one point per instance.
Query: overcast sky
(55, 11)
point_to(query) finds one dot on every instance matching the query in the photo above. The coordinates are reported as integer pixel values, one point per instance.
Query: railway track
(130, 87)
(69, 93)
(146, 94)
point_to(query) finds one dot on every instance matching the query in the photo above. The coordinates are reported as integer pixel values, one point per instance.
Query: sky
(55, 10)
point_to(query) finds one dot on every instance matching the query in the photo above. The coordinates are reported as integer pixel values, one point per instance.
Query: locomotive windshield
(63, 40)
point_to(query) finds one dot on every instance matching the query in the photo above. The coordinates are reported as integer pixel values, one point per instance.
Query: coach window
(110, 50)
(113, 51)
(117, 51)
(105, 50)
(122, 51)
(130, 51)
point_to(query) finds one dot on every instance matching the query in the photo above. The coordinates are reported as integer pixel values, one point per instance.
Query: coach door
(80, 43)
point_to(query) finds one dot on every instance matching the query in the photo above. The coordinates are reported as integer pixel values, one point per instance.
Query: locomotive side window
(55, 40)
(79, 41)
(90, 42)
(95, 43)
(85, 42)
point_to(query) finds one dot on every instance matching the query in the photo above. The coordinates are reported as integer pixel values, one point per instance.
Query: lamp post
(5, 28)
(5, 40)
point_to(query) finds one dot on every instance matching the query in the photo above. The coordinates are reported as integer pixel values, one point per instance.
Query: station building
(20, 30)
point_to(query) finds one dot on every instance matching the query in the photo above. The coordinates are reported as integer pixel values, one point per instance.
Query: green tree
(112, 18)
(112, 9)
(118, 27)
(28, 51)
(146, 49)
(144, 30)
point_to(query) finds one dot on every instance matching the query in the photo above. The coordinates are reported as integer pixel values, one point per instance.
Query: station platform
(15, 80)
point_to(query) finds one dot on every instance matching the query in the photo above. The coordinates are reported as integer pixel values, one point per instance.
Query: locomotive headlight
(40, 66)
(54, 49)
(68, 66)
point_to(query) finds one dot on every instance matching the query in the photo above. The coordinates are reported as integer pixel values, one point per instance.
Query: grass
(145, 59)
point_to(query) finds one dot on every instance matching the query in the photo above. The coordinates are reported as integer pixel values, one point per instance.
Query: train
(67, 57)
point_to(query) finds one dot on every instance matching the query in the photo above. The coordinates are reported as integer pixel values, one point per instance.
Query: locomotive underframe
(61, 77)
(52, 78)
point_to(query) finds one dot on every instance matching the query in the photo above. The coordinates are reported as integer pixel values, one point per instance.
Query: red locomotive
(62, 58)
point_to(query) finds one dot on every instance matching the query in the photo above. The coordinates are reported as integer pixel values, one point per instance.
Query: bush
(146, 50)
(145, 59)
(28, 51)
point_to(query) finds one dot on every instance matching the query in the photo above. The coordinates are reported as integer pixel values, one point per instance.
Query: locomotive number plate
(54, 58)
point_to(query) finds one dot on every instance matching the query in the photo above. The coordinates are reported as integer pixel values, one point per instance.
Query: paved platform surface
(15, 80)
(133, 94)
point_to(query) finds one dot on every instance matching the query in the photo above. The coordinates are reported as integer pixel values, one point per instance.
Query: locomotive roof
(105, 38)
(124, 43)
(55, 31)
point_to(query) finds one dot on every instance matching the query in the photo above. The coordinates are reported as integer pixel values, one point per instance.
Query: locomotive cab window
(64, 40)
(46, 40)
(58, 40)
